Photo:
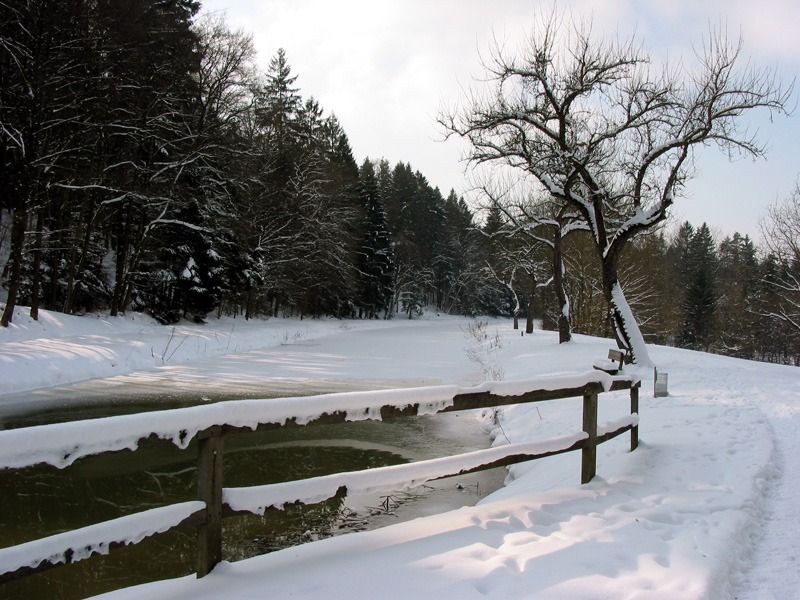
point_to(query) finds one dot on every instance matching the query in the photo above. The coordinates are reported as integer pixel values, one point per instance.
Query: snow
(96, 539)
(403, 477)
(61, 349)
(61, 444)
(704, 509)
(518, 387)
(637, 341)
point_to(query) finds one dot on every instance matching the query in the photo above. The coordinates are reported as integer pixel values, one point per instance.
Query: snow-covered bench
(614, 356)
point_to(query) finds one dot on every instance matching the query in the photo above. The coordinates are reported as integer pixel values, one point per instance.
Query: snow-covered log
(257, 499)
(62, 444)
(72, 546)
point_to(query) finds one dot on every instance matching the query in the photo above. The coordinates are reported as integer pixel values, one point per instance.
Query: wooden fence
(61, 444)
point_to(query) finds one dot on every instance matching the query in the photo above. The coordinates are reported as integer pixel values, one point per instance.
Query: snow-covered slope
(705, 508)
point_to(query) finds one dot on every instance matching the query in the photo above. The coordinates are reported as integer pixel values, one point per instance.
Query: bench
(614, 357)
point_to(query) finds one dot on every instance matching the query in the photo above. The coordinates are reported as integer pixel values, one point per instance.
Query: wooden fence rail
(61, 444)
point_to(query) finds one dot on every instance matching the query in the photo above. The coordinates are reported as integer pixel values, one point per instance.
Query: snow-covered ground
(705, 508)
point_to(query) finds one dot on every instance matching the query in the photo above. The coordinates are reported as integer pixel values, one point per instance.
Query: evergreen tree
(151, 79)
(498, 296)
(736, 285)
(415, 214)
(462, 285)
(677, 257)
(493, 228)
(699, 302)
(375, 256)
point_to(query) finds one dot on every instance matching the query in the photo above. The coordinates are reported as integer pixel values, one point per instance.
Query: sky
(386, 69)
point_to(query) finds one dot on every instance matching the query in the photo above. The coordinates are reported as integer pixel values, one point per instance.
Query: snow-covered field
(705, 508)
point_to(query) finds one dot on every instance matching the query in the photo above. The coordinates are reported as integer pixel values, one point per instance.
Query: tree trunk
(139, 241)
(66, 307)
(516, 305)
(76, 272)
(123, 244)
(531, 304)
(250, 305)
(55, 241)
(18, 225)
(36, 266)
(564, 319)
(626, 329)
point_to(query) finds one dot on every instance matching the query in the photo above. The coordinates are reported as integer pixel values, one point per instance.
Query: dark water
(43, 500)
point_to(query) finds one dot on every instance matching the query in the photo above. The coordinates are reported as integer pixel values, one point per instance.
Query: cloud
(385, 68)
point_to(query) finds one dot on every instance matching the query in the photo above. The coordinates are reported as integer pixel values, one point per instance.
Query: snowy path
(770, 561)
(774, 566)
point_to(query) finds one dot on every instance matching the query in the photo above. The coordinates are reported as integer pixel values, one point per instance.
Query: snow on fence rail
(62, 444)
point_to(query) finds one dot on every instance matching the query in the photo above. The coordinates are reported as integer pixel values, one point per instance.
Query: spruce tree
(375, 256)
(736, 286)
(699, 302)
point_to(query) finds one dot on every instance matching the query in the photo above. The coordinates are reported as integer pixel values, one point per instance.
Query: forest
(148, 165)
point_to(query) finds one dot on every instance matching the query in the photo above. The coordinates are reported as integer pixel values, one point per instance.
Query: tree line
(691, 289)
(687, 287)
(148, 165)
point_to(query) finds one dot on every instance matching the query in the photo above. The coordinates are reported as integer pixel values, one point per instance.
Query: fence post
(589, 452)
(634, 409)
(209, 490)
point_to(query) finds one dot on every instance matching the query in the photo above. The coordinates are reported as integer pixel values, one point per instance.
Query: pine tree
(699, 302)
(375, 256)
(462, 285)
(736, 285)
(415, 215)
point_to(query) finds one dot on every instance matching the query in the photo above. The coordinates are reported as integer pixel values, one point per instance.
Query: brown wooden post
(589, 452)
(209, 490)
(635, 410)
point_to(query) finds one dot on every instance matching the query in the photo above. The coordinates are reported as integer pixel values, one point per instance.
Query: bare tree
(611, 134)
(780, 230)
(520, 257)
(226, 73)
(543, 223)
